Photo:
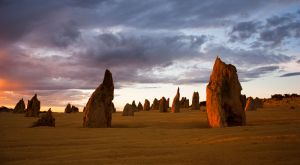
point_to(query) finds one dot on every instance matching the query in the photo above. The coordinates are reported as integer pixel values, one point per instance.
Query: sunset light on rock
(174, 68)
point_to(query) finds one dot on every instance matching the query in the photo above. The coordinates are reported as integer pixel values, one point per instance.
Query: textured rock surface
(135, 108)
(163, 105)
(147, 105)
(20, 107)
(253, 104)
(223, 104)
(71, 109)
(195, 101)
(258, 102)
(243, 99)
(46, 120)
(98, 110)
(140, 106)
(168, 102)
(250, 105)
(128, 110)
(5, 109)
(176, 103)
(33, 107)
(113, 108)
(155, 104)
(184, 102)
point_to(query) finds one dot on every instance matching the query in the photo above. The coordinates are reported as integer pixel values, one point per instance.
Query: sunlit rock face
(223, 104)
(147, 105)
(33, 107)
(20, 107)
(98, 110)
(250, 105)
(253, 104)
(128, 110)
(195, 101)
(176, 103)
(163, 105)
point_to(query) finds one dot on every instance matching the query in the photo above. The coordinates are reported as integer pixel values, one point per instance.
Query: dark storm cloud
(273, 32)
(243, 30)
(123, 55)
(290, 74)
(68, 26)
(18, 18)
(298, 61)
(246, 58)
(245, 75)
(141, 51)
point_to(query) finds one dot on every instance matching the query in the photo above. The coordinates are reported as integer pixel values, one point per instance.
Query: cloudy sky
(60, 49)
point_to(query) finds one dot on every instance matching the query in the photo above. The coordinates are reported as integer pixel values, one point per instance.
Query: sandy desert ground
(272, 136)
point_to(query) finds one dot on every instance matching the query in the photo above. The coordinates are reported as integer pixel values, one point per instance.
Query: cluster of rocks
(71, 109)
(278, 97)
(184, 102)
(5, 109)
(45, 120)
(253, 104)
(223, 103)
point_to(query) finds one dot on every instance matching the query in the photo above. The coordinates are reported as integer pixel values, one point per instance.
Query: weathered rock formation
(176, 103)
(140, 106)
(195, 101)
(243, 99)
(128, 110)
(134, 106)
(253, 104)
(71, 109)
(258, 102)
(223, 104)
(163, 105)
(147, 105)
(46, 120)
(20, 107)
(202, 103)
(250, 105)
(168, 103)
(33, 107)
(184, 102)
(155, 104)
(5, 109)
(114, 108)
(98, 110)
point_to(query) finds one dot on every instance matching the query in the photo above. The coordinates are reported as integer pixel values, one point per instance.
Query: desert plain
(271, 136)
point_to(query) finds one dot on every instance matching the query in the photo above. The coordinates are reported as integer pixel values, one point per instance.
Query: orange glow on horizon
(9, 85)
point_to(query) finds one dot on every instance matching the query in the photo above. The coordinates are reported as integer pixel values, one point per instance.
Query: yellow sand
(272, 136)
